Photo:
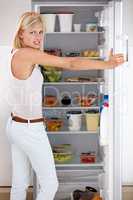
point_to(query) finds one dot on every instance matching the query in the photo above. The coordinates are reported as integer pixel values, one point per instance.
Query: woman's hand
(115, 60)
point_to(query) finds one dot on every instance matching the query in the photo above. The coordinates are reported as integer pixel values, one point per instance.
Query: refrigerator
(106, 173)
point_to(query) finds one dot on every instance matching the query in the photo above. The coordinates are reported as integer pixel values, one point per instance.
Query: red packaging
(88, 157)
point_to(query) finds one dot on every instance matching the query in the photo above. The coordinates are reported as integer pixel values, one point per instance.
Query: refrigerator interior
(74, 174)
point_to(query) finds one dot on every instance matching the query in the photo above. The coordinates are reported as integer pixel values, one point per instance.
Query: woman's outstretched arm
(33, 56)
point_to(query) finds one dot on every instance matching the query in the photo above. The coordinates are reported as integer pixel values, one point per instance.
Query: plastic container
(53, 76)
(54, 124)
(62, 153)
(92, 120)
(89, 157)
(77, 27)
(65, 21)
(49, 22)
(91, 27)
(74, 120)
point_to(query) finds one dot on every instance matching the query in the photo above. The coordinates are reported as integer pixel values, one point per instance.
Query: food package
(87, 100)
(90, 53)
(54, 124)
(89, 157)
(50, 101)
(62, 153)
(62, 157)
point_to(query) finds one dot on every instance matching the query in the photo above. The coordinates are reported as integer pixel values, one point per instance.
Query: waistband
(22, 120)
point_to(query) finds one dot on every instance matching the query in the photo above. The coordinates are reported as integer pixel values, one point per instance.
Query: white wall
(9, 14)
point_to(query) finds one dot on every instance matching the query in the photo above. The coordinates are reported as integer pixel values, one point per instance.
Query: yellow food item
(85, 53)
(90, 53)
(62, 157)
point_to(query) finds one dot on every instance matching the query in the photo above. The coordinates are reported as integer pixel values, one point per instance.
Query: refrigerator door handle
(126, 38)
(123, 39)
(125, 46)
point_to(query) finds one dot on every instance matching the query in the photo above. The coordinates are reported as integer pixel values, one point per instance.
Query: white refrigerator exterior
(127, 144)
(115, 94)
(117, 90)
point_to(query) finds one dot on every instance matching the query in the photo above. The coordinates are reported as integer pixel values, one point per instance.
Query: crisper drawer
(65, 189)
(70, 180)
(78, 175)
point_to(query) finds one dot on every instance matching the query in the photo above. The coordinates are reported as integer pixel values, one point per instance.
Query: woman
(25, 128)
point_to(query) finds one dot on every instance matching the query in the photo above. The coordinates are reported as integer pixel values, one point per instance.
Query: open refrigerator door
(115, 87)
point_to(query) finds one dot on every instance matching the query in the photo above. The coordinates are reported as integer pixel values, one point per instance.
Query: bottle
(101, 49)
(104, 122)
(66, 100)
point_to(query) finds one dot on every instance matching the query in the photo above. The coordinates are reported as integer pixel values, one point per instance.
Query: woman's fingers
(116, 59)
(118, 55)
(119, 60)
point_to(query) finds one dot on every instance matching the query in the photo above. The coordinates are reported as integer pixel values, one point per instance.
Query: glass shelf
(62, 33)
(72, 132)
(68, 108)
(75, 163)
(72, 83)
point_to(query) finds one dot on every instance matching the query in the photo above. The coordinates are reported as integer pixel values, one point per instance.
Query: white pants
(30, 147)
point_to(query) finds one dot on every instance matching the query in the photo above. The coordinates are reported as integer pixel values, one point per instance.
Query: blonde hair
(26, 20)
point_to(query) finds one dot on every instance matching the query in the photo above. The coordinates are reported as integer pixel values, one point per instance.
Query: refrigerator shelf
(75, 33)
(79, 172)
(73, 83)
(78, 176)
(68, 108)
(75, 164)
(72, 132)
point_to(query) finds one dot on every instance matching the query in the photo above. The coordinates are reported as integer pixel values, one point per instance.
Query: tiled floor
(4, 193)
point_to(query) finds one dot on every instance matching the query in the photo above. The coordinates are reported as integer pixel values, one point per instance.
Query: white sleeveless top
(25, 96)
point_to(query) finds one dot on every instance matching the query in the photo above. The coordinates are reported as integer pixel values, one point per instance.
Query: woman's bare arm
(33, 56)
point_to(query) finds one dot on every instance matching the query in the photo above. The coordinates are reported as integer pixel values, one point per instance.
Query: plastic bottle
(104, 122)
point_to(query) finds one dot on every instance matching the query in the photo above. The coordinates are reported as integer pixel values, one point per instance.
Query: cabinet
(75, 174)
